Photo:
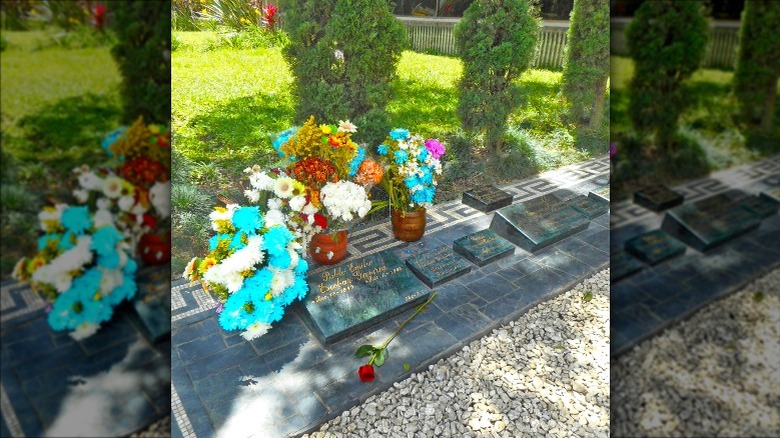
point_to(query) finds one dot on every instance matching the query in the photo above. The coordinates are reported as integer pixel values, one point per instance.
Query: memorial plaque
(538, 223)
(602, 194)
(438, 266)
(658, 198)
(590, 207)
(710, 222)
(622, 265)
(654, 247)
(483, 247)
(152, 303)
(762, 207)
(486, 198)
(772, 194)
(352, 296)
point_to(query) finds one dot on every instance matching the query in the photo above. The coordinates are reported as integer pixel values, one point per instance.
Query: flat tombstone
(710, 222)
(438, 266)
(763, 207)
(486, 198)
(654, 247)
(534, 224)
(483, 247)
(590, 207)
(658, 198)
(622, 264)
(772, 194)
(352, 296)
(152, 303)
(601, 194)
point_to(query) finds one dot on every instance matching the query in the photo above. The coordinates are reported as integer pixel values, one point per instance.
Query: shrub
(3, 43)
(587, 62)
(343, 56)
(758, 65)
(496, 40)
(143, 54)
(666, 39)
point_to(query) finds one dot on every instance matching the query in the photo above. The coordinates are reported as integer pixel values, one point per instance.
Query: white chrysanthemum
(90, 181)
(226, 215)
(126, 203)
(122, 252)
(84, 331)
(103, 218)
(46, 216)
(160, 197)
(297, 203)
(57, 271)
(274, 204)
(254, 331)
(282, 279)
(138, 210)
(190, 267)
(110, 280)
(274, 217)
(403, 145)
(103, 204)
(112, 187)
(261, 181)
(252, 195)
(346, 126)
(309, 209)
(81, 195)
(228, 272)
(294, 258)
(283, 187)
(343, 199)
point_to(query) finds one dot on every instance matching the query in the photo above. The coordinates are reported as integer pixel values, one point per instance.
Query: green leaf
(407, 367)
(559, 347)
(364, 350)
(588, 296)
(759, 296)
(380, 357)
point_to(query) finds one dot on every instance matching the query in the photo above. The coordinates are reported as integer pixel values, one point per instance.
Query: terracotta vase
(155, 249)
(323, 244)
(409, 227)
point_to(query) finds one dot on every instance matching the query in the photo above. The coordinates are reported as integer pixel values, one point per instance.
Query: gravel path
(159, 429)
(715, 374)
(545, 374)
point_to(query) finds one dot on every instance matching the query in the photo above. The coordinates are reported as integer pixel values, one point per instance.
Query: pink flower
(435, 148)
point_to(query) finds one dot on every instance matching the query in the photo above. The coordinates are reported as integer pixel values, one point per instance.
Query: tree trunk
(769, 105)
(597, 113)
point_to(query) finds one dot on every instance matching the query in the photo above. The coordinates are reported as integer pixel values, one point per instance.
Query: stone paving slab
(286, 382)
(112, 383)
(646, 302)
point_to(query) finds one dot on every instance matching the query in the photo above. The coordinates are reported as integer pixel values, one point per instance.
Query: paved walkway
(656, 297)
(287, 383)
(113, 383)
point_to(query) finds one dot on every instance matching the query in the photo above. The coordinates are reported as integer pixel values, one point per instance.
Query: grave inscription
(438, 266)
(486, 198)
(483, 247)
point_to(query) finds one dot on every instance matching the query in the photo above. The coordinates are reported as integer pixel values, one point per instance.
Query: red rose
(320, 220)
(149, 221)
(366, 373)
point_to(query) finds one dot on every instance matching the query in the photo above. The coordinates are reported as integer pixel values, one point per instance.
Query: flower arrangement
(411, 167)
(82, 268)
(253, 268)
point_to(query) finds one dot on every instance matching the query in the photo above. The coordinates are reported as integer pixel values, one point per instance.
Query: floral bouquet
(82, 268)
(412, 167)
(253, 268)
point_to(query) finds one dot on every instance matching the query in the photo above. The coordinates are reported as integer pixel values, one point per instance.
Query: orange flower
(369, 172)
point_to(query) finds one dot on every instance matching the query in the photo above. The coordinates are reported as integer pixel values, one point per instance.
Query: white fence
(435, 35)
(721, 48)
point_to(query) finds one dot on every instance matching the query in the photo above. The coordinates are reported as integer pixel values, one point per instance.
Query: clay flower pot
(328, 249)
(408, 227)
(155, 249)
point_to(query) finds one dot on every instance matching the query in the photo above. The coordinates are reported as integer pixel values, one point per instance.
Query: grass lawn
(228, 104)
(715, 139)
(57, 106)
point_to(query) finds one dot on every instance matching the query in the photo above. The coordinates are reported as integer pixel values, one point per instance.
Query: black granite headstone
(438, 266)
(539, 222)
(483, 247)
(486, 198)
(590, 207)
(622, 265)
(710, 222)
(761, 206)
(658, 198)
(654, 247)
(152, 303)
(772, 194)
(357, 294)
(602, 194)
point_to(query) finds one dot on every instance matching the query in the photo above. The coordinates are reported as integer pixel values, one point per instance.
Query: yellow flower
(206, 264)
(268, 296)
(325, 129)
(204, 11)
(97, 296)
